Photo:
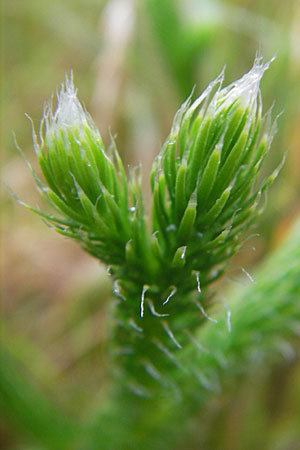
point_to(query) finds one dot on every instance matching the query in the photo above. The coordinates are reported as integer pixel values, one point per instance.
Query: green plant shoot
(205, 197)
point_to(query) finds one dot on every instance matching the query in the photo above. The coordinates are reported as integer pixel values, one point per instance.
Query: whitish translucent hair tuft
(69, 111)
(246, 88)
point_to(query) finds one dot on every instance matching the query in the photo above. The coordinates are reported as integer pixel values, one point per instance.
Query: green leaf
(208, 178)
(180, 192)
(197, 150)
(187, 224)
(228, 170)
(214, 212)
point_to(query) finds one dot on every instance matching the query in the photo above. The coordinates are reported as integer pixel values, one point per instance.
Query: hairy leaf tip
(247, 87)
(69, 111)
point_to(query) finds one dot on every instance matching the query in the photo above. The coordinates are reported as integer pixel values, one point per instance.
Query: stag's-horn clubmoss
(205, 196)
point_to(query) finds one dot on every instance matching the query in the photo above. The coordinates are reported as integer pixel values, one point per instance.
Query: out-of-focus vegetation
(134, 62)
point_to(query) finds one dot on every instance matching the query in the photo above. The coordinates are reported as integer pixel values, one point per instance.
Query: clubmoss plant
(265, 319)
(205, 197)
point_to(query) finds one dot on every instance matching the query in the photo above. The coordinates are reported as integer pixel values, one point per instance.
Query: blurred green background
(134, 63)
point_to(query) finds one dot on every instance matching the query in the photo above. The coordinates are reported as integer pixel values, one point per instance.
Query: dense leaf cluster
(205, 195)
